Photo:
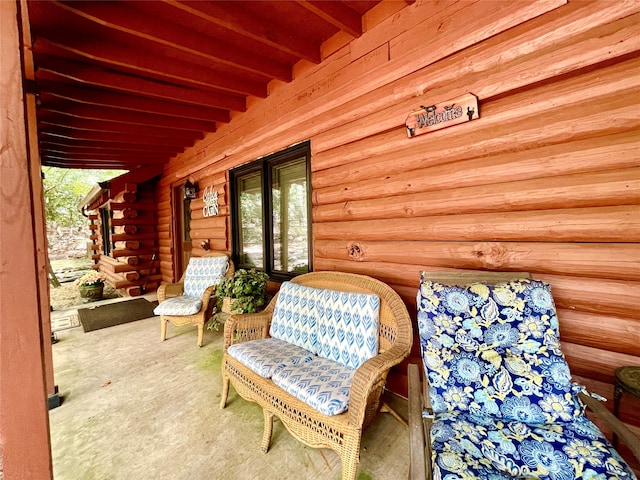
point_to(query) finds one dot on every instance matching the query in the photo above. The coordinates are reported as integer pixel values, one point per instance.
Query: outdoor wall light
(190, 190)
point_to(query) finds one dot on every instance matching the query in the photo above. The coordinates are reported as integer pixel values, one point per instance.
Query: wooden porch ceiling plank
(130, 21)
(62, 132)
(337, 14)
(78, 110)
(119, 155)
(130, 102)
(115, 127)
(133, 85)
(237, 21)
(126, 163)
(162, 67)
(106, 146)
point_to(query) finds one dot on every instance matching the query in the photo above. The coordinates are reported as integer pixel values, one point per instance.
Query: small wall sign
(446, 114)
(210, 199)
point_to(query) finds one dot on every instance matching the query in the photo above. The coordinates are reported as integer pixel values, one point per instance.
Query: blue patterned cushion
(473, 446)
(266, 356)
(322, 384)
(294, 316)
(202, 272)
(347, 326)
(495, 350)
(181, 305)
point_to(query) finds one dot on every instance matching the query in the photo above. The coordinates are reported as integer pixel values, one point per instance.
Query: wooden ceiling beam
(98, 154)
(109, 114)
(337, 14)
(130, 21)
(129, 102)
(71, 144)
(63, 132)
(51, 119)
(235, 20)
(96, 164)
(52, 68)
(147, 64)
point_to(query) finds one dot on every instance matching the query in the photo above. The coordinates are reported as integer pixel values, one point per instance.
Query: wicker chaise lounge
(340, 432)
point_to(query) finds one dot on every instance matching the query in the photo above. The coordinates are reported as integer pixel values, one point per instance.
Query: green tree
(64, 189)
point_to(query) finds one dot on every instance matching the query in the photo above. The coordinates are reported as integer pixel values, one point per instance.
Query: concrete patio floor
(136, 408)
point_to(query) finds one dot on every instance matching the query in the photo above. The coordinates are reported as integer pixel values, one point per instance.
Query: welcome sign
(442, 115)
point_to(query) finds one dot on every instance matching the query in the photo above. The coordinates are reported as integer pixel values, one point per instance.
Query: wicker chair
(196, 288)
(483, 453)
(341, 432)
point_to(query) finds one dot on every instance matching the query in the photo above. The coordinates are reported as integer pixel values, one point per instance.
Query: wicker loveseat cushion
(295, 317)
(321, 383)
(266, 356)
(347, 326)
(182, 305)
(203, 272)
(494, 350)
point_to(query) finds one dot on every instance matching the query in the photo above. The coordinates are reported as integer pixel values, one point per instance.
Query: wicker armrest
(169, 290)
(370, 375)
(244, 327)
(208, 296)
(619, 428)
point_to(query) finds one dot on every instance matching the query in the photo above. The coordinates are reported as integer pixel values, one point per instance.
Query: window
(105, 230)
(271, 213)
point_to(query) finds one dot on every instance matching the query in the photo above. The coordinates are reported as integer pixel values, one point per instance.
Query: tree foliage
(64, 189)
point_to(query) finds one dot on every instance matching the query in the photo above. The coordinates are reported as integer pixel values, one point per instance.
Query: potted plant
(245, 292)
(91, 285)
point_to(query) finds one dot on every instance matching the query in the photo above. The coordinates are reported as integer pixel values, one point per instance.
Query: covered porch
(546, 179)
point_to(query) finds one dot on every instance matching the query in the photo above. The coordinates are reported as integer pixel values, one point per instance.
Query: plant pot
(226, 305)
(92, 292)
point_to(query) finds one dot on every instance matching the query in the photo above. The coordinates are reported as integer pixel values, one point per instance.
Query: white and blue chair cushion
(483, 447)
(202, 272)
(348, 326)
(494, 350)
(320, 383)
(267, 355)
(178, 306)
(294, 316)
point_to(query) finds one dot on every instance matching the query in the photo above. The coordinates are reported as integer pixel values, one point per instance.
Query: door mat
(115, 313)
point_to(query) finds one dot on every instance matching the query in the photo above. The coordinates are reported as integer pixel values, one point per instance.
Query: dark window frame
(106, 230)
(264, 165)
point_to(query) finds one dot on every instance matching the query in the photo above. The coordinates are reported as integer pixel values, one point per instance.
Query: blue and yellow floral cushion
(294, 317)
(494, 350)
(181, 305)
(321, 383)
(265, 356)
(468, 446)
(347, 326)
(202, 272)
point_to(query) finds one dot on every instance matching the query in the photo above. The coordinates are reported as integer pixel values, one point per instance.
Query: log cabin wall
(547, 180)
(132, 266)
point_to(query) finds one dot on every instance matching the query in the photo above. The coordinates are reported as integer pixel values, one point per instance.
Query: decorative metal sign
(442, 115)
(210, 199)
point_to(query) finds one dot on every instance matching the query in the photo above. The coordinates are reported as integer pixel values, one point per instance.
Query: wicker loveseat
(300, 352)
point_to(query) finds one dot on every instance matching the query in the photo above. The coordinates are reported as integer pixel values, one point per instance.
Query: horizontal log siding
(547, 180)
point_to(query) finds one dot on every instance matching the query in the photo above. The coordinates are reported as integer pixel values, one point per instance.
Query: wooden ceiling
(131, 83)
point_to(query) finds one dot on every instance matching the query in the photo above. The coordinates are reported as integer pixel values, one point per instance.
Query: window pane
(289, 197)
(250, 213)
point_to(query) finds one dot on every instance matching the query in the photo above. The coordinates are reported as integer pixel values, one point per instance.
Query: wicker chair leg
(200, 334)
(350, 460)
(268, 429)
(225, 389)
(163, 328)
